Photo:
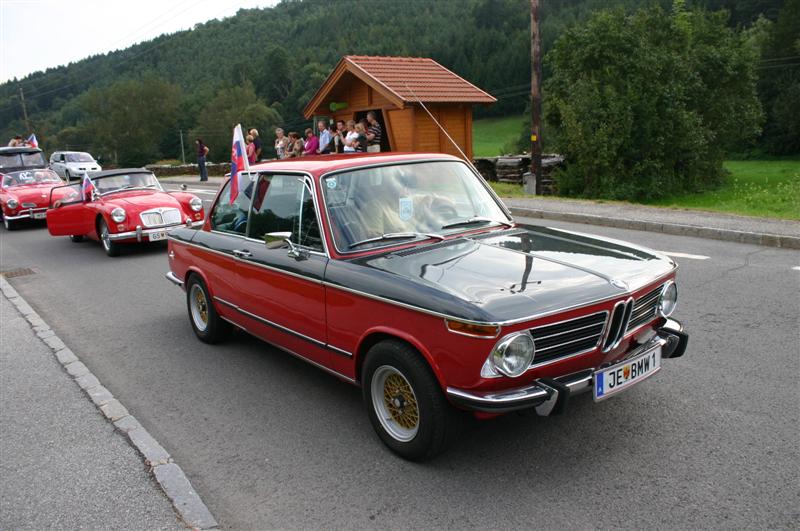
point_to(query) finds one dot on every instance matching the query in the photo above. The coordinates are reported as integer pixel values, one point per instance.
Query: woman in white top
(351, 138)
(281, 142)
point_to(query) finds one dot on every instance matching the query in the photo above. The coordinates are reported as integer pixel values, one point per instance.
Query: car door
(282, 266)
(70, 213)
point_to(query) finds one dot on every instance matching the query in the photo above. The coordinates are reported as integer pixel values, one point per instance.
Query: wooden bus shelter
(392, 88)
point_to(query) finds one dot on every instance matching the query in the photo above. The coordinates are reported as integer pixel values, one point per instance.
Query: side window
(227, 217)
(284, 204)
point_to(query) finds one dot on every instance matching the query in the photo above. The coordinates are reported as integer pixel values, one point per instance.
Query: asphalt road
(268, 441)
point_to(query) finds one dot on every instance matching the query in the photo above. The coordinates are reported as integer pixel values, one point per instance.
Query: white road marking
(796, 268)
(685, 255)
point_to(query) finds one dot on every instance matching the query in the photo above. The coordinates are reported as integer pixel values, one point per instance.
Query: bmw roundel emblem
(617, 283)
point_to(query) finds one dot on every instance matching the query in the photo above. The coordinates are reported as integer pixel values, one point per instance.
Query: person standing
(351, 137)
(374, 133)
(361, 140)
(311, 146)
(338, 137)
(282, 147)
(257, 143)
(202, 153)
(324, 138)
(250, 149)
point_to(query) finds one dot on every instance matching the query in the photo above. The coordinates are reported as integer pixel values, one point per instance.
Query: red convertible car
(25, 184)
(120, 206)
(405, 274)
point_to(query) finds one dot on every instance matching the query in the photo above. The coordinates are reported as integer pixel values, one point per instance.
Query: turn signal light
(472, 329)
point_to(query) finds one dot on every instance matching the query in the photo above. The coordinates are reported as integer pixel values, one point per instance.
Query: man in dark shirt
(374, 133)
(257, 143)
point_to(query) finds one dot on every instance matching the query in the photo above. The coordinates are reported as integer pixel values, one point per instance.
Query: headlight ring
(12, 204)
(118, 215)
(196, 204)
(668, 299)
(511, 356)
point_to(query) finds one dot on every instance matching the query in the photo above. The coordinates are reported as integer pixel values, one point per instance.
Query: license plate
(157, 236)
(39, 215)
(630, 372)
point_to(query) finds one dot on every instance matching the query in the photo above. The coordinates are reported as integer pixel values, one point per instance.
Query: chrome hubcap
(104, 236)
(395, 403)
(199, 307)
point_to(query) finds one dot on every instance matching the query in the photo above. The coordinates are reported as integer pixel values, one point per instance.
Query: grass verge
(489, 135)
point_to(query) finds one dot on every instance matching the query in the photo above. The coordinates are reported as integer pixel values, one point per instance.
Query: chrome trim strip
(174, 279)
(501, 398)
(476, 336)
(562, 358)
(296, 355)
(572, 329)
(599, 335)
(283, 328)
(26, 213)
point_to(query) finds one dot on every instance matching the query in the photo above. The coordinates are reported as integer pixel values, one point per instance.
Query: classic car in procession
(25, 184)
(406, 275)
(73, 164)
(118, 207)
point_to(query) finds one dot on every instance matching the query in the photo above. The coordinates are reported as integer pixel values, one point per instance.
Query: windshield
(79, 157)
(18, 178)
(391, 203)
(22, 160)
(119, 182)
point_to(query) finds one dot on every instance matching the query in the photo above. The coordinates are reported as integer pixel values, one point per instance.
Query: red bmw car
(405, 275)
(118, 207)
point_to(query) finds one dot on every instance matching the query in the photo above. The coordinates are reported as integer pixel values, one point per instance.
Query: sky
(38, 34)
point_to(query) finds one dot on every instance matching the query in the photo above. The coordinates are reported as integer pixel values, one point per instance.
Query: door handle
(239, 253)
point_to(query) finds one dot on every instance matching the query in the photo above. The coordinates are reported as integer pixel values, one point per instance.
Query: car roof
(19, 149)
(118, 171)
(327, 163)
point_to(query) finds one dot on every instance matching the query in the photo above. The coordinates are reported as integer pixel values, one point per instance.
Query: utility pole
(534, 184)
(183, 153)
(24, 110)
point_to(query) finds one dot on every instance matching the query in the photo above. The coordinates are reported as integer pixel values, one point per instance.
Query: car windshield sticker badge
(406, 208)
(25, 177)
(331, 183)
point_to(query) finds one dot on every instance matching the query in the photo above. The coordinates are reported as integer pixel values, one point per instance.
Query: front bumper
(549, 395)
(27, 213)
(139, 232)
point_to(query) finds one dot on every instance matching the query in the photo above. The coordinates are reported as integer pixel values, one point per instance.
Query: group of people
(336, 137)
(18, 141)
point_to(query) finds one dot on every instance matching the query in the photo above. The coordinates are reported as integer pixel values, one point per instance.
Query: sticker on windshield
(331, 183)
(406, 210)
(24, 177)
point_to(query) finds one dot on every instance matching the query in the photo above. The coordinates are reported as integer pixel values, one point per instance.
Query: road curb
(169, 476)
(754, 238)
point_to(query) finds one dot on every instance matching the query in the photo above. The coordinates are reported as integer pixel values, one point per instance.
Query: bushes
(646, 105)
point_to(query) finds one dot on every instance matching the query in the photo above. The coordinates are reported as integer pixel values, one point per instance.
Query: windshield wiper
(130, 187)
(473, 220)
(396, 236)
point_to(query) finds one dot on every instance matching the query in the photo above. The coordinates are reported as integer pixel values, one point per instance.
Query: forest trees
(646, 105)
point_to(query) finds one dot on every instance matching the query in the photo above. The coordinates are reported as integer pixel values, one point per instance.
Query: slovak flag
(32, 141)
(239, 162)
(87, 187)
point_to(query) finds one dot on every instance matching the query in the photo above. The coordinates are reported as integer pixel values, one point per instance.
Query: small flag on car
(32, 142)
(87, 187)
(239, 162)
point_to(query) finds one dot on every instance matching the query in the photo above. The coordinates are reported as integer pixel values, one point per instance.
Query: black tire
(437, 422)
(67, 176)
(76, 239)
(206, 322)
(109, 246)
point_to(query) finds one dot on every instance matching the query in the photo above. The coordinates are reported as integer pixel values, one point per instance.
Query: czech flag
(239, 162)
(32, 142)
(87, 187)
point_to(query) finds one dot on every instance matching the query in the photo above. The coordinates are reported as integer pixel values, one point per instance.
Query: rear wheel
(206, 322)
(405, 403)
(111, 248)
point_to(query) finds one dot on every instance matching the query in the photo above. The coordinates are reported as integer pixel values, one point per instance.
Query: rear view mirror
(275, 240)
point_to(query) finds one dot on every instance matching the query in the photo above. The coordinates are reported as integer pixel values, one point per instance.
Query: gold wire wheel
(199, 307)
(395, 403)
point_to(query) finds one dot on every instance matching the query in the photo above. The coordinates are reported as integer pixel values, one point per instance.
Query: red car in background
(25, 184)
(118, 207)
(406, 275)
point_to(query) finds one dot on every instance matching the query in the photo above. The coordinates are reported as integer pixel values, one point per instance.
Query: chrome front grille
(160, 217)
(568, 338)
(28, 205)
(645, 308)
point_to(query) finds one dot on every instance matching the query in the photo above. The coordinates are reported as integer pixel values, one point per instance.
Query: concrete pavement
(680, 222)
(62, 464)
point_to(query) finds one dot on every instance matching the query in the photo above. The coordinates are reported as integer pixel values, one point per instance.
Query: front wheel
(405, 403)
(111, 248)
(206, 322)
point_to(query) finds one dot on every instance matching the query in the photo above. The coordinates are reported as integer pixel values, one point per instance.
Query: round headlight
(513, 354)
(12, 204)
(118, 215)
(669, 299)
(196, 204)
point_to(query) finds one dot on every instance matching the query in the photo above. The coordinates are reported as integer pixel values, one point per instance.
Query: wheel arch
(375, 335)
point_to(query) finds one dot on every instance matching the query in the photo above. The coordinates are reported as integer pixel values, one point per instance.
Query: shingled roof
(403, 80)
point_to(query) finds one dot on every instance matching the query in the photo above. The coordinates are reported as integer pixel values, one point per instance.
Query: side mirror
(95, 195)
(184, 187)
(296, 252)
(275, 240)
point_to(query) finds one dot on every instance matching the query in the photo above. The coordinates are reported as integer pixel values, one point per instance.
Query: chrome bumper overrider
(26, 213)
(139, 232)
(174, 279)
(548, 395)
